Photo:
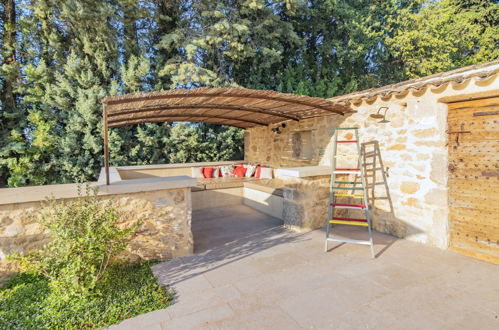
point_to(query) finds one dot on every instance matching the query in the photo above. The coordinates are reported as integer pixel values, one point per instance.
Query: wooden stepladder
(354, 189)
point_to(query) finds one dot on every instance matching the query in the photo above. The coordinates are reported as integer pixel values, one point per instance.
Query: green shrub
(84, 239)
(27, 301)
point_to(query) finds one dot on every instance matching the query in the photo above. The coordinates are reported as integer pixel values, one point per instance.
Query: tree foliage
(445, 35)
(59, 58)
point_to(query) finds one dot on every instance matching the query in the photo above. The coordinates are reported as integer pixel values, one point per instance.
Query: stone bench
(270, 186)
(222, 183)
(218, 192)
(264, 195)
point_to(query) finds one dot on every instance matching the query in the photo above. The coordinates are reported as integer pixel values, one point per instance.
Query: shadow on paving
(184, 268)
(226, 235)
(219, 226)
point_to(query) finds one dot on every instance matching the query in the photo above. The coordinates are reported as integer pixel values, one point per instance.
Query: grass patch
(26, 301)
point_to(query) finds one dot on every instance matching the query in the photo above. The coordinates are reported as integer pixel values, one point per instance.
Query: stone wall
(165, 232)
(413, 145)
(263, 146)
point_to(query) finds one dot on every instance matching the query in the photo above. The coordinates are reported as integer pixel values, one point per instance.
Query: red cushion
(258, 169)
(236, 166)
(240, 171)
(208, 172)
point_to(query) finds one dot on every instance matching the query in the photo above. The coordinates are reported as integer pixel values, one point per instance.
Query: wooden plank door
(474, 178)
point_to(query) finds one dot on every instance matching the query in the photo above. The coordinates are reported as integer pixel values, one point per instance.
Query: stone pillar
(305, 202)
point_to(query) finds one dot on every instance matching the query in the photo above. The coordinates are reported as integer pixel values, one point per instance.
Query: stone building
(439, 141)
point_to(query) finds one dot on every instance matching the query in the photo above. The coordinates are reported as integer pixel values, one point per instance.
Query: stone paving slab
(268, 277)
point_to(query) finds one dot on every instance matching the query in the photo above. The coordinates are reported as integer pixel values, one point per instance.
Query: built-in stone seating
(221, 183)
(271, 186)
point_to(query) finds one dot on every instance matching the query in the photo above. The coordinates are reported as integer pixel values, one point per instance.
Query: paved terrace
(250, 273)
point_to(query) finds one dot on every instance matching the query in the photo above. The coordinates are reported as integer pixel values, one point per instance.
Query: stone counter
(303, 172)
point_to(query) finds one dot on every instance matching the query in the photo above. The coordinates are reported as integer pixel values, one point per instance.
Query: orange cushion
(208, 172)
(240, 171)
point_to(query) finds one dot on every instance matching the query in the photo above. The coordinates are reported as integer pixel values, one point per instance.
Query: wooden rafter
(167, 117)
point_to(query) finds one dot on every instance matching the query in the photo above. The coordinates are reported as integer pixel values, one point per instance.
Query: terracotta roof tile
(458, 76)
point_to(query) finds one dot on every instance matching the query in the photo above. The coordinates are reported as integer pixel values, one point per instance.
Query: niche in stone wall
(301, 142)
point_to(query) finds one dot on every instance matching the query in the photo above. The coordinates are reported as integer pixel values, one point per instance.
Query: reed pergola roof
(238, 107)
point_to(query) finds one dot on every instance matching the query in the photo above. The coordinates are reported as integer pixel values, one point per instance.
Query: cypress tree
(9, 72)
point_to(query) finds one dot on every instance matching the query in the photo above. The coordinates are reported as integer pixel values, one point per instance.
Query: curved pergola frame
(239, 107)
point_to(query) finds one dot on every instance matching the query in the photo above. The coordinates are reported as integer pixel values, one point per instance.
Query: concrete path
(272, 278)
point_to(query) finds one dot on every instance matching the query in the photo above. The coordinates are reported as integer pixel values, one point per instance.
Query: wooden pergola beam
(162, 120)
(106, 144)
(165, 117)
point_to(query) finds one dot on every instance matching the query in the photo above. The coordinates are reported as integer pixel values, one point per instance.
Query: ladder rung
(350, 223)
(349, 195)
(350, 219)
(346, 240)
(348, 206)
(346, 172)
(374, 169)
(347, 188)
(346, 141)
(370, 153)
(348, 182)
(343, 128)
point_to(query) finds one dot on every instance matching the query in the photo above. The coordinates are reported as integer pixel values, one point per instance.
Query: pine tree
(218, 42)
(89, 72)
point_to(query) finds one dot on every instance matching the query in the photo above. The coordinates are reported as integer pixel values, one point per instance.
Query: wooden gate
(474, 178)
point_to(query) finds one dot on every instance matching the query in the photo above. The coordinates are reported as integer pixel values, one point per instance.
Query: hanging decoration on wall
(378, 115)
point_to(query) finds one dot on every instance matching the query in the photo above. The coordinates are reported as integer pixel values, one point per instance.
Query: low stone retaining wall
(164, 208)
